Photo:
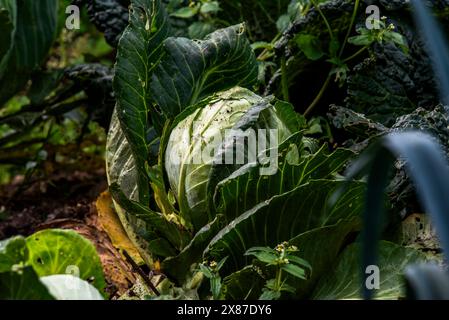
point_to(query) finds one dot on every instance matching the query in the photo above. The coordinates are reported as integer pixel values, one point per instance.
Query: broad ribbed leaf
(284, 217)
(191, 70)
(55, 251)
(6, 36)
(246, 188)
(12, 251)
(178, 266)
(245, 284)
(8, 16)
(35, 31)
(138, 53)
(23, 284)
(177, 236)
(121, 169)
(343, 280)
(320, 247)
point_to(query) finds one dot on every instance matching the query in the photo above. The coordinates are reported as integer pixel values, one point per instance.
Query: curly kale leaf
(337, 13)
(109, 16)
(391, 83)
(355, 123)
(96, 81)
(260, 16)
(382, 83)
(434, 122)
(363, 130)
(303, 75)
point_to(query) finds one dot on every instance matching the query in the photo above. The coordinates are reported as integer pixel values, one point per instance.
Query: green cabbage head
(214, 141)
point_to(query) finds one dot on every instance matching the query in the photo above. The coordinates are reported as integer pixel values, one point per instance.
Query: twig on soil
(141, 273)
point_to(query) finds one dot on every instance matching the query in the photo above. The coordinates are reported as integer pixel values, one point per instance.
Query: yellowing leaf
(111, 224)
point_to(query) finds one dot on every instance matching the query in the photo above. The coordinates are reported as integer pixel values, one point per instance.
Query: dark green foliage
(53, 94)
(222, 60)
(96, 81)
(357, 124)
(288, 219)
(338, 14)
(364, 130)
(340, 283)
(427, 167)
(185, 72)
(138, 53)
(382, 83)
(391, 83)
(261, 16)
(22, 285)
(109, 16)
(434, 122)
(244, 208)
(34, 27)
(28, 267)
(7, 28)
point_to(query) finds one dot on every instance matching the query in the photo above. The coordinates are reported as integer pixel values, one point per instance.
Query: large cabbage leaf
(282, 218)
(192, 70)
(50, 264)
(319, 246)
(343, 279)
(138, 52)
(121, 170)
(242, 208)
(35, 25)
(7, 25)
(22, 284)
(12, 252)
(55, 251)
(246, 188)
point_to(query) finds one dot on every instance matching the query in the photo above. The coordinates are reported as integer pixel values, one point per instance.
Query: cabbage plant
(209, 138)
(189, 184)
(222, 189)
